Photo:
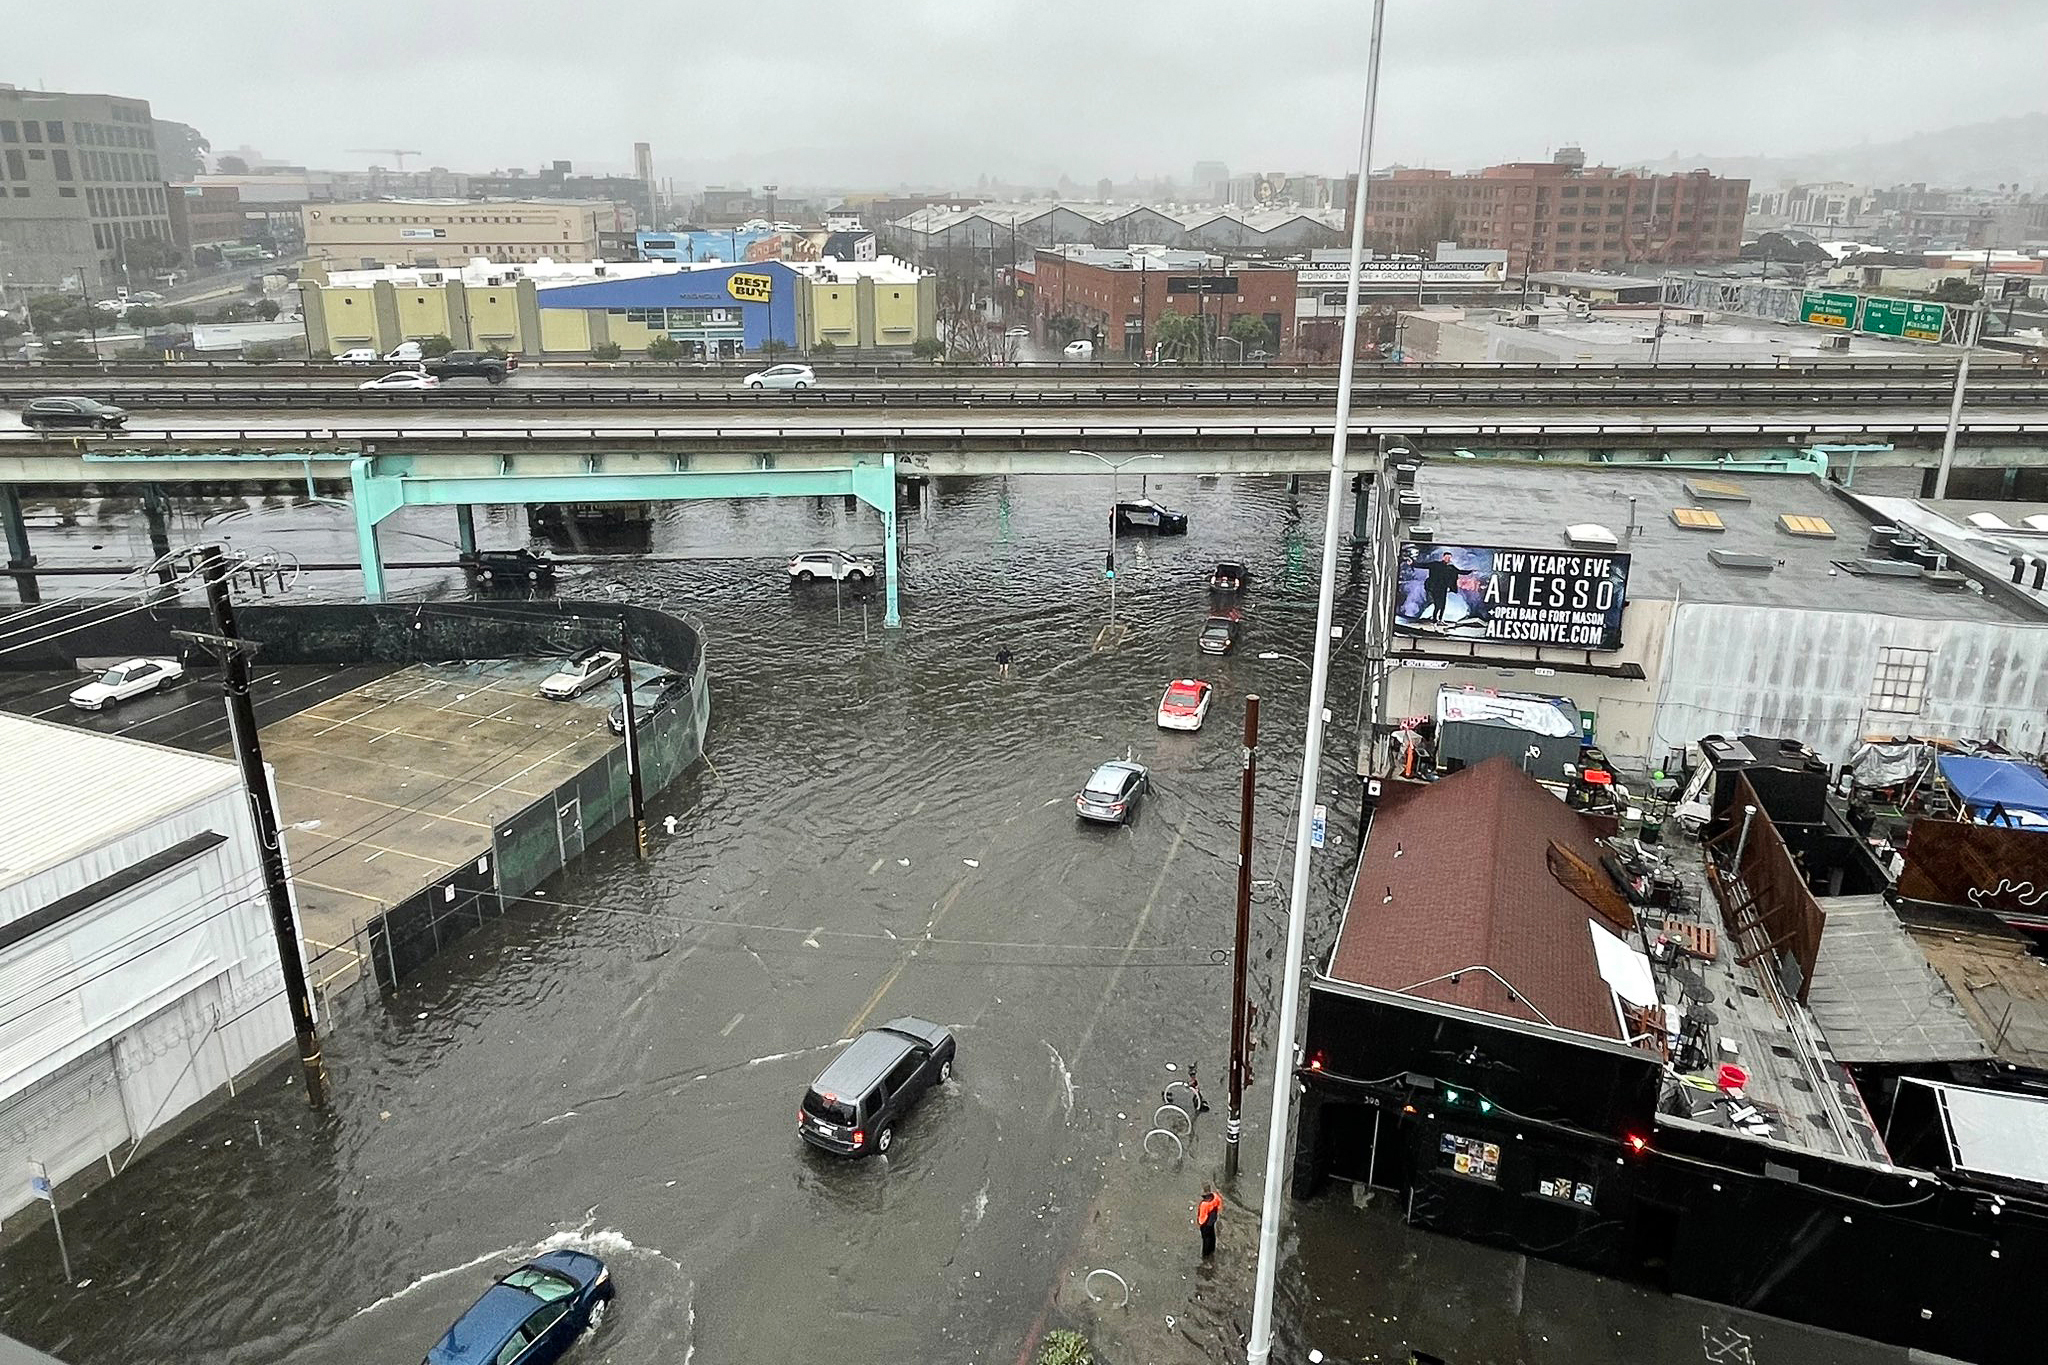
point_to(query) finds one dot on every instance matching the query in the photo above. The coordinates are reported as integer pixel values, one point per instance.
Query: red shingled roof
(1472, 887)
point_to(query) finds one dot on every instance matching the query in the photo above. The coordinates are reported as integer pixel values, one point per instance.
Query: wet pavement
(882, 827)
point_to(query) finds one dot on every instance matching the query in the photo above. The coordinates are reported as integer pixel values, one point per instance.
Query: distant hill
(1980, 155)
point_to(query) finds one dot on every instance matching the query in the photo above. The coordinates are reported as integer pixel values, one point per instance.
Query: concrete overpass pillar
(21, 563)
(892, 615)
(465, 528)
(157, 508)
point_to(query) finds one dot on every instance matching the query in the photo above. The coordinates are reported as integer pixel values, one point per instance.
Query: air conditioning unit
(1693, 319)
(1837, 342)
(1528, 319)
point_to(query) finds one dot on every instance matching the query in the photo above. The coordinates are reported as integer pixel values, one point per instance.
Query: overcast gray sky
(835, 91)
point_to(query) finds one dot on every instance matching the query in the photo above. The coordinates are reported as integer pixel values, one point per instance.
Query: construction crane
(398, 153)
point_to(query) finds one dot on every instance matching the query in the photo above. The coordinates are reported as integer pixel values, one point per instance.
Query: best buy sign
(750, 288)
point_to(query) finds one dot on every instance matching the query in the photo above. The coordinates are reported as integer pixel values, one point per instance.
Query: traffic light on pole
(1109, 564)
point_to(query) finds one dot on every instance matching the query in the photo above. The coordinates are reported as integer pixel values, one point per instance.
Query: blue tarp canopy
(1981, 783)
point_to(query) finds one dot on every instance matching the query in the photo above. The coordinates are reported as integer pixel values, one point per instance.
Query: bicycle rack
(1089, 1285)
(1174, 1109)
(1180, 1149)
(1194, 1096)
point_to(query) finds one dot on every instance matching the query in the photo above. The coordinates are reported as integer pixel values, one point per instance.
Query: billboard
(1566, 599)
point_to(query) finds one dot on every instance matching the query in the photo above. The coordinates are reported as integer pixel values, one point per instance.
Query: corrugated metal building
(138, 972)
(1755, 604)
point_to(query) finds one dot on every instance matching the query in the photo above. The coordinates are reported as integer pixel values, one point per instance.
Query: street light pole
(1241, 950)
(1109, 563)
(1259, 1344)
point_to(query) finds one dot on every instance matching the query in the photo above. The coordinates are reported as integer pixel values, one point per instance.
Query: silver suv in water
(833, 564)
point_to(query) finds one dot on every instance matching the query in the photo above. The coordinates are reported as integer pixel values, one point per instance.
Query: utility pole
(234, 654)
(639, 797)
(1240, 1030)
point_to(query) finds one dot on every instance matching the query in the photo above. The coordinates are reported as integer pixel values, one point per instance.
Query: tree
(1063, 326)
(148, 256)
(825, 347)
(664, 348)
(181, 317)
(71, 348)
(231, 165)
(1178, 335)
(1956, 290)
(59, 313)
(179, 146)
(927, 348)
(267, 309)
(434, 346)
(774, 348)
(1252, 332)
(605, 350)
(12, 326)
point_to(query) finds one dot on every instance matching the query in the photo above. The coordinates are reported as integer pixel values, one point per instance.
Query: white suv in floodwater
(835, 564)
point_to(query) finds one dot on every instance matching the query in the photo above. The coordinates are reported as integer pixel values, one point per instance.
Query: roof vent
(1736, 559)
(1948, 580)
(1421, 533)
(1881, 538)
(1592, 534)
(1879, 568)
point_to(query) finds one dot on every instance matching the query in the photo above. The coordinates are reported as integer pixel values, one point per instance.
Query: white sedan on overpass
(399, 381)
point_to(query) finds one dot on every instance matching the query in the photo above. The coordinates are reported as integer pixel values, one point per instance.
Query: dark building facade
(1459, 1053)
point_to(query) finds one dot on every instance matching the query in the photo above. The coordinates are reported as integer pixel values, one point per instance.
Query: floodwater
(882, 828)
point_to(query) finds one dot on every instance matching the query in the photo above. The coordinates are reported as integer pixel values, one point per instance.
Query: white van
(1080, 350)
(405, 350)
(359, 355)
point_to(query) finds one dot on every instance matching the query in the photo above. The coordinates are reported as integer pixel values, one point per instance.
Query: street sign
(1202, 284)
(1316, 825)
(1828, 310)
(1903, 318)
(39, 1186)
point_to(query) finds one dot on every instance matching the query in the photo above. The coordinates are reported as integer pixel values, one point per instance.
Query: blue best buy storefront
(716, 312)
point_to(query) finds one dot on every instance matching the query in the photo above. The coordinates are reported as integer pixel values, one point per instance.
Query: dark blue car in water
(531, 1316)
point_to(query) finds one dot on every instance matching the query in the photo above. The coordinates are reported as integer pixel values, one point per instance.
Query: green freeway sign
(1828, 310)
(1903, 318)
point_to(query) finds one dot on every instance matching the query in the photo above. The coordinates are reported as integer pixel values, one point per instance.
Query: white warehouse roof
(70, 790)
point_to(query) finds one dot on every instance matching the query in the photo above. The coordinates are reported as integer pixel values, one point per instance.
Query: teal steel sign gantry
(381, 484)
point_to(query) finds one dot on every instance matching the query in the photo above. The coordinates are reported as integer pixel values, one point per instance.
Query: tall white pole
(1955, 402)
(1260, 1344)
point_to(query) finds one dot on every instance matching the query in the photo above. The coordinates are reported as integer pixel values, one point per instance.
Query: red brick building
(1562, 216)
(1116, 298)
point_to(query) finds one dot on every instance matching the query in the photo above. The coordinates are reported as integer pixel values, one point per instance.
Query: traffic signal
(1109, 564)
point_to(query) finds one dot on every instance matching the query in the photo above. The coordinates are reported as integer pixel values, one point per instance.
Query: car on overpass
(42, 413)
(471, 365)
(359, 355)
(781, 377)
(400, 381)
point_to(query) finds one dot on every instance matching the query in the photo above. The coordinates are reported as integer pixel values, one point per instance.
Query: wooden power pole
(1240, 1007)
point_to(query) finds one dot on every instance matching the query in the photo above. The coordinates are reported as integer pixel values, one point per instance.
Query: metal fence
(533, 844)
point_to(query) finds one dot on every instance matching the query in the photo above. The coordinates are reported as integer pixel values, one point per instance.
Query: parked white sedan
(399, 381)
(580, 673)
(128, 680)
(782, 377)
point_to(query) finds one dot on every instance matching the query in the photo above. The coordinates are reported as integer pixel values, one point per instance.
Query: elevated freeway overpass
(444, 456)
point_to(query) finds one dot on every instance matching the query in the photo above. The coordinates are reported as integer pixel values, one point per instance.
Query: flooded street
(883, 828)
